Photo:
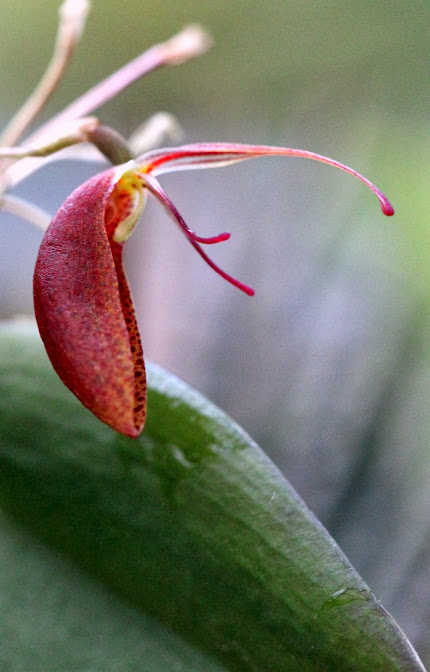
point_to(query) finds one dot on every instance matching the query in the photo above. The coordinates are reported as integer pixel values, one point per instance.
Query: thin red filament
(155, 188)
(233, 281)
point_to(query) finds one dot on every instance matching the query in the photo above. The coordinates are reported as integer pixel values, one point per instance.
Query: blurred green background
(328, 365)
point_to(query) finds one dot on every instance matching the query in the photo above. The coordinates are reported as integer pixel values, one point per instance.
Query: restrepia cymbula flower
(82, 300)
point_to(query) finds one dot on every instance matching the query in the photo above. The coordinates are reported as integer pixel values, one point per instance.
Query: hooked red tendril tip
(211, 240)
(387, 208)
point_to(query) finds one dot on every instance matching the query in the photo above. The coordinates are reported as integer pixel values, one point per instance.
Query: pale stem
(189, 43)
(154, 132)
(88, 130)
(31, 213)
(174, 51)
(82, 131)
(73, 14)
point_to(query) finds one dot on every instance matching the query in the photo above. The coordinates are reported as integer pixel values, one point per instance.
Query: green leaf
(55, 618)
(191, 523)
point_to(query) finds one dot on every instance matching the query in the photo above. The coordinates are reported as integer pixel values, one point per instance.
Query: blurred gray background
(328, 366)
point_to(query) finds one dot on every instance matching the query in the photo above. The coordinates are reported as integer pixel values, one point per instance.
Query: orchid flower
(82, 300)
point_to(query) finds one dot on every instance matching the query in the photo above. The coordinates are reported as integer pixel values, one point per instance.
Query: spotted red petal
(85, 311)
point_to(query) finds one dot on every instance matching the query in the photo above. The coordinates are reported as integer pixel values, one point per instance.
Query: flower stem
(73, 14)
(31, 213)
(178, 49)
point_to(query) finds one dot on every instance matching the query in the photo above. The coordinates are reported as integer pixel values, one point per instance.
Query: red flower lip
(85, 312)
(82, 301)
